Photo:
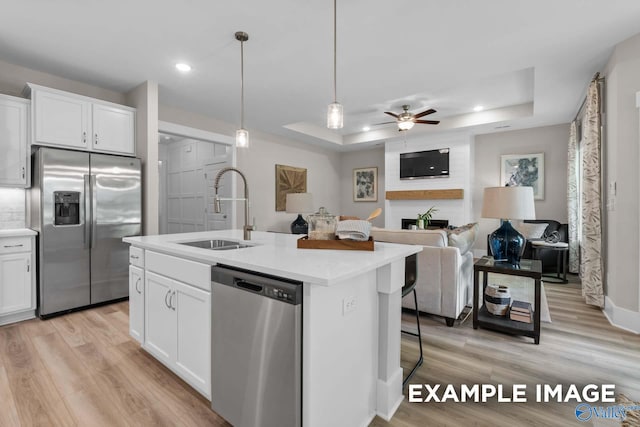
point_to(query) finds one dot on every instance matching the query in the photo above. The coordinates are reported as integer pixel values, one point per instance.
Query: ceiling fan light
(242, 138)
(405, 125)
(335, 116)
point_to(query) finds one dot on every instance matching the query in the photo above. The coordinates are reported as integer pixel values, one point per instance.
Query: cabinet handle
(84, 137)
(134, 257)
(96, 139)
(137, 283)
(23, 172)
(173, 307)
(165, 298)
(13, 246)
(28, 266)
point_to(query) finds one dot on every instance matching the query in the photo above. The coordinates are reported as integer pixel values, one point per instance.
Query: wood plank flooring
(579, 347)
(83, 369)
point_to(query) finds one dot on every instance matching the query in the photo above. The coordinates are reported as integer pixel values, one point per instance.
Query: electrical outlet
(348, 304)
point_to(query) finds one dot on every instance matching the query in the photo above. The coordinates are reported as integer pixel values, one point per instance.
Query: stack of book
(521, 312)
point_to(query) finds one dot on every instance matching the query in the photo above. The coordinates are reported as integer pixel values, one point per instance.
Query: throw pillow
(531, 230)
(463, 237)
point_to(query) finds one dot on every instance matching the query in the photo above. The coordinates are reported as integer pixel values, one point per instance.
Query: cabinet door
(160, 318)
(113, 129)
(136, 303)
(61, 120)
(13, 141)
(193, 316)
(15, 283)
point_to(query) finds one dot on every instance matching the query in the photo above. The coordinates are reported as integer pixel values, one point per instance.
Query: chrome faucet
(216, 201)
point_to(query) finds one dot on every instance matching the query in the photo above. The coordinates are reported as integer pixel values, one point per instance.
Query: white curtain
(573, 199)
(591, 201)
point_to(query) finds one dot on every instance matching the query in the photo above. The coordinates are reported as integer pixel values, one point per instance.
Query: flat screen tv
(425, 164)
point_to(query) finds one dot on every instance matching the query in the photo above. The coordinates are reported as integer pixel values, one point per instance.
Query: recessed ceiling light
(478, 108)
(185, 68)
(366, 129)
(166, 137)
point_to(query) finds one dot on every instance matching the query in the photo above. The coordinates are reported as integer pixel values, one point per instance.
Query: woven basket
(497, 298)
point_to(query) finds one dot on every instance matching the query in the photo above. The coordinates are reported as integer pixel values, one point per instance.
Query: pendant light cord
(241, 84)
(335, 50)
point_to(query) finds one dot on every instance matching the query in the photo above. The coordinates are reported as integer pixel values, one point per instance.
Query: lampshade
(508, 203)
(405, 124)
(335, 116)
(299, 203)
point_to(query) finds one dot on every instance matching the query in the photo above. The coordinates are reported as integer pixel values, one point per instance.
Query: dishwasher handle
(252, 287)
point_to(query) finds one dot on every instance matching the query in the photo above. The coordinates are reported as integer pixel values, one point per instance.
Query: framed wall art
(523, 170)
(289, 179)
(365, 184)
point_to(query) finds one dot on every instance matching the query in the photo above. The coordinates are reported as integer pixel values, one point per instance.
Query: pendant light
(242, 135)
(334, 112)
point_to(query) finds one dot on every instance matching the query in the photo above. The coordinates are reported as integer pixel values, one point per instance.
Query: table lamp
(506, 204)
(299, 203)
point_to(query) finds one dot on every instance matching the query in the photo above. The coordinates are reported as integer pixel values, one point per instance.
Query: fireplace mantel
(447, 194)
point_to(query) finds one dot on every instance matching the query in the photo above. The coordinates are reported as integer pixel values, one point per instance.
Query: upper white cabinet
(113, 129)
(14, 141)
(64, 119)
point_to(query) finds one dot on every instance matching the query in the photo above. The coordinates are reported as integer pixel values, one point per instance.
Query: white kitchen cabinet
(160, 323)
(67, 120)
(14, 142)
(177, 328)
(193, 326)
(17, 284)
(136, 303)
(113, 129)
(62, 120)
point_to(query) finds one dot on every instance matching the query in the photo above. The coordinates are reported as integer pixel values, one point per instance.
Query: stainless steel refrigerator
(82, 205)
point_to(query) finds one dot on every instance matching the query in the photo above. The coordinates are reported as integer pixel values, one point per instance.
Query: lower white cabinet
(17, 284)
(177, 325)
(136, 303)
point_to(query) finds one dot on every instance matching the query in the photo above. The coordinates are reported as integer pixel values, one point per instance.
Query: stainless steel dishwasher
(256, 348)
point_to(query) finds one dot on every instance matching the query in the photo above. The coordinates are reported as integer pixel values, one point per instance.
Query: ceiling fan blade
(424, 113)
(427, 122)
(391, 114)
(383, 123)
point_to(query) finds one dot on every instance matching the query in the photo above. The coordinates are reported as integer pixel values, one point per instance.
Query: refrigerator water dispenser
(67, 207)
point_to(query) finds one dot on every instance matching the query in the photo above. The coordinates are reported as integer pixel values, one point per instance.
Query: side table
(482, 318)
(562, 249)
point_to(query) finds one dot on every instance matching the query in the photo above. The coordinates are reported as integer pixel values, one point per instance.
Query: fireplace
(434, 224)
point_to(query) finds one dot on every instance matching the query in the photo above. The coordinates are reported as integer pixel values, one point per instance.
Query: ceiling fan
(406, 120)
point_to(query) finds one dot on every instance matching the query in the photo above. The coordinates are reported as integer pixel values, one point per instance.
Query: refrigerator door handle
(87, 211)
(94, 216)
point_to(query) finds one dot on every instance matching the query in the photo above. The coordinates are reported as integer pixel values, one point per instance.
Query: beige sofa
(445, 276)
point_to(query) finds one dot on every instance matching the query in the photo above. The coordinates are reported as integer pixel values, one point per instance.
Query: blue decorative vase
(506, 244)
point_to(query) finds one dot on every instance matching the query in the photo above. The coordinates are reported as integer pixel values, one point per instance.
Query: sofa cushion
(436, 238)
(531, 230)
(463, 237)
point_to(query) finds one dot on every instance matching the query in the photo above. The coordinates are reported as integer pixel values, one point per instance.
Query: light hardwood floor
(83, 369)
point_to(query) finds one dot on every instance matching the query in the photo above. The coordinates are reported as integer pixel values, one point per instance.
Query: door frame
(204, 135)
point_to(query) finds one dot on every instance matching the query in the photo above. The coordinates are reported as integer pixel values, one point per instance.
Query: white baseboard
(622, 318)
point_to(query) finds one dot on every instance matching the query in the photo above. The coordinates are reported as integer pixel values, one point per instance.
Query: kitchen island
(350, 315)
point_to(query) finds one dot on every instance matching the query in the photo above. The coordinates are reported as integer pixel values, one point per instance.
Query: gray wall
(552, 141)
(355, 160)
(622, 155)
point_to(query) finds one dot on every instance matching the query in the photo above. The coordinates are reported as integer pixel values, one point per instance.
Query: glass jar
(322, 225)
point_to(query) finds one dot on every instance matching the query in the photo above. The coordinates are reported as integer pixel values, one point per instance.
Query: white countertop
(17, 232)
(277, 254)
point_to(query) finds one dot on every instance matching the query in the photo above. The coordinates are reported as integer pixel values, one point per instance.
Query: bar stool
(410, 280)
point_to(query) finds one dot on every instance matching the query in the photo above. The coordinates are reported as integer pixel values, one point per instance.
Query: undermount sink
(217, 245)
